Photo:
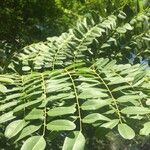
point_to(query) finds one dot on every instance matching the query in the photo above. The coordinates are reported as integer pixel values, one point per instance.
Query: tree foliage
(82, 79)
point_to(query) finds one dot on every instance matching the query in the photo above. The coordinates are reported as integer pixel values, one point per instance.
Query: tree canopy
(83, 82)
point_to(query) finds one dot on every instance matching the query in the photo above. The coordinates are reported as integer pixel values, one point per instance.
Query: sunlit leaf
(74, 141)
(14, 128)
(146, 129)
(61, 125)
(125, 131)
(34, 143)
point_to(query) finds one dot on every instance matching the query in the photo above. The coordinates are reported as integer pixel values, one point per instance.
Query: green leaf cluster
(71, 82)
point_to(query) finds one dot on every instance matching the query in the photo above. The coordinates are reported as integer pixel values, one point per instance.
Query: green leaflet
(14, 128)
(148, 102)
(128, 98)
(125, 131)
(105, 45)
(78, 34)
(27, 104)
(111, 124)
(138, 77)
(128, 26)
(6, 80)
(72, 66)
(60, 96)
(61, 111)
(8, 105)
(130, 110)
(58, 87)
(61, 125)
(146, 38)
(83, 79)
(92, 93)
(34, 143)
(27, 131)
(13, 90)
(146, 129)
(26, 68)
(34, 88)
(121, 88)
(94, 117)
(94, 104)
(35, 114)
(3, 89)
(101, 62)
(146, 85)
(121, 30)
(12, 97)
(110, 65)
(6, 117)
(122, 15)
(32, 82)
(74, 141)
(118, 80)
(33, 95)
(56, 80)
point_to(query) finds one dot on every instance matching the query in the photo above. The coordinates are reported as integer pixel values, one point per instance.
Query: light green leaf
(125, 131)
(110, 65)
(94, 117)
(111, 124)
(148, 102)
(12, 97)
(118, 80)
(14, 128)
(121, 30)
(35, 114)
(60, 96)
(8, 105)
(122, 15)
(34, 143)
(130, 110)
(3, 89)
(6, 117)
(61, 125)
(128, 98)
(94, 104)
(27, 131)
(61, 111)
(74, 141)
(146, 129)
(6, 80)
(119, 88)
(146, 38)
(101, 62)
(128, 26)
(27, 104)
(105, 45)
(92, 93)
(26, 68)
(138, 77)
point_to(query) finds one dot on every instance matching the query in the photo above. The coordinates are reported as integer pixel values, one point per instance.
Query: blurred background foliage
(28, 21)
